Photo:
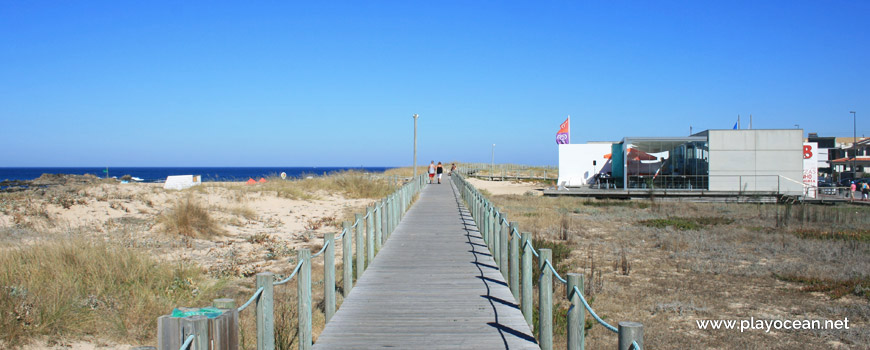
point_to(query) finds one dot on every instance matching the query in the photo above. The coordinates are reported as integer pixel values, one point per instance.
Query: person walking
(852, 189)
(440, 170)
(865, 191)
(431, 171)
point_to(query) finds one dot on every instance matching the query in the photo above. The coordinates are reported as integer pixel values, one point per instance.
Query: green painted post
(545, 301)
(303, 300)
(360, 246)
(329, 276)
(576, 314)
(265, 312)
(526, 303)
(370, 235)
(514, 280)
(379, 235)
(347, 259)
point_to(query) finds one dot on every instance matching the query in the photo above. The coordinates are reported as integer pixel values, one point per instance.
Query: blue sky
(320, 83)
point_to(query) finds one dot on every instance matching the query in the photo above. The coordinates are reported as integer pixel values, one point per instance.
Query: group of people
(863, 187)
(439, 169)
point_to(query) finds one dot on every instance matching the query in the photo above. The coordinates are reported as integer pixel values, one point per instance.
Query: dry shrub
(191, 219)
(243, 211)
(352, 184)
(75, 288)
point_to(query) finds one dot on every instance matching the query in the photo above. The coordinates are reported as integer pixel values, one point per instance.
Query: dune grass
(189, 218)
(76, 287)
(351, 184)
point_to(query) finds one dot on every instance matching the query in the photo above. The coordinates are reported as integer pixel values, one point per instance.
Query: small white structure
(579, 163)
(180, 182)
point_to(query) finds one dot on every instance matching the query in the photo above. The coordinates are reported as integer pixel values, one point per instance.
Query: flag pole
(738, 122)
(569, 129)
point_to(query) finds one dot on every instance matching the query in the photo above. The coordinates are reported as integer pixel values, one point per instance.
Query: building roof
(849, 160)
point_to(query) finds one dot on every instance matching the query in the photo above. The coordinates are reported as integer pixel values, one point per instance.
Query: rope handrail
(547, 263)
(253, 297)
(321, 250)
(298, 266)
(635, 346)
(528, 242)
(591, 312)
(187, 342)
(343, 231)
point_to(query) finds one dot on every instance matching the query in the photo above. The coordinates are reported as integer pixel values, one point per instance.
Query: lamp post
(854, 143)
(415, 144)
(492, 164)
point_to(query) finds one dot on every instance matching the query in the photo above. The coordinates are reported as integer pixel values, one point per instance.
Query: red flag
(564, 134)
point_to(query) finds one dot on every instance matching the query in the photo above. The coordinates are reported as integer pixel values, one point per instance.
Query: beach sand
(508, 187)
(259, 230)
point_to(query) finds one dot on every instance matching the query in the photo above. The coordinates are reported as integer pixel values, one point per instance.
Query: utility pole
(854, 144)
(415, 144)
(492, 163)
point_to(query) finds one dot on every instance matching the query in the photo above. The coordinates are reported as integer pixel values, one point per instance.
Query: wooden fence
(513, 253)
(369, 231)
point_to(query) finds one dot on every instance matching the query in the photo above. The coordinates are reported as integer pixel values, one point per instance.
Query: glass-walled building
(662, 162)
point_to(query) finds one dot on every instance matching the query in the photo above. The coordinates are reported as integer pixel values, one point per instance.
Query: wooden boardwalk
(434, 285)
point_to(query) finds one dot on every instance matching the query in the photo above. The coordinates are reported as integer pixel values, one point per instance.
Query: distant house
(842, 154)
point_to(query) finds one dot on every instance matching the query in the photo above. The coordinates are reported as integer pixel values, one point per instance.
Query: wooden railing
(513, 254)
(370, 231)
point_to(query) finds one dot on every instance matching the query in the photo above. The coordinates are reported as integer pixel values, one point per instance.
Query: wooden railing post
(379, 235)
(265, 312)
(347, 259)
(360, 246)
(504, 232)
(513, 251)
(526, 303)
(576, 314)
(303, 300)
(545, 300)
(495, 239)
(630, 332)
(225, 329)
(370, 234)
(198, 327)
(329, 276)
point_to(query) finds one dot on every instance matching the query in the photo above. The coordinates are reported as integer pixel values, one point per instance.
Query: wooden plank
(434, 285)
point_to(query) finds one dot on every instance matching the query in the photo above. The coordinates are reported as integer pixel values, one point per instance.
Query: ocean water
(159, 174)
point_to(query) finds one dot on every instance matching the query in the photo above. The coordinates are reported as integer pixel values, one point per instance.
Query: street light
(415, 144)
(492, 163)
(854, 143)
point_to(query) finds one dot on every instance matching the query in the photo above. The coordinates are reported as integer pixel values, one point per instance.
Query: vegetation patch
(76, 288)
(846, 235)
(688, 223)
(191, 219)
(834, 288)
(616, 203)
